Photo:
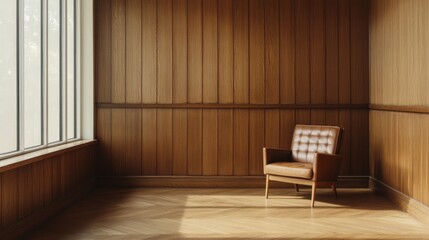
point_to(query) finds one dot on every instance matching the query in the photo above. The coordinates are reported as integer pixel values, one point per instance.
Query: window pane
(32, 74)
(54, 71)
(8, 77)
(71, 97)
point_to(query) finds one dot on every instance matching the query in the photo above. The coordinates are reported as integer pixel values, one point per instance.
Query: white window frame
(63, 73)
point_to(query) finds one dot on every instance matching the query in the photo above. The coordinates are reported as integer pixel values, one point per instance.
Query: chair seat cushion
(290, 169)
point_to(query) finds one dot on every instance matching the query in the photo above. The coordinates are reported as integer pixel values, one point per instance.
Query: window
(38, 80)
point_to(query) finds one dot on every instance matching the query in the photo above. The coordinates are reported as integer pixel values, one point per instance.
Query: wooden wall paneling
(272, 128)
(195, 51)
(118, 51)
(302, 59)
(287, 126)
(133, 69)
(425, 156)
(149, 140)
(165, 51)
(359, 49)
(256, 141)
(210, 51)
(405, 151)
(37, 184)
(210, 141)
(180, 51)
(241, 51)
(256, 51)
(48, 180)
(344, 51)
(104, 136)
(164, 141)
(1, 200)
(180, 142)
(56, 177)
(149, 51)
(317, 59)
(416, 157)
(272, 74)
(133, 142)
(332, 52)
(102, 51)
(64, 166)
(225, 51)
(225, 142)
(25, 191)
(195, 141)
(241, 142)
(359, 142)
(118, 141)
(287, 51)
(344, 122)
(9, 198)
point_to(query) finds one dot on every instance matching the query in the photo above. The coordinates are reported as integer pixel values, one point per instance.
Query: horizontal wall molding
(22, 227)
(404, 202)
(214, 181)
(234, 106)
(397, 108)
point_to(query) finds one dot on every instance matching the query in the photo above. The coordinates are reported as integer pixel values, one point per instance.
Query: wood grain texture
(195, 51)
(289, 59)
(118, 51)
(133, 142)
(256, 52)
(180, 51)
(149, 51)
(133, 69)
(103, 28)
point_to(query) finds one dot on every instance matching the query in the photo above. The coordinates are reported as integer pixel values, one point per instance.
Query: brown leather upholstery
(309, 139)
(291, 169)
(312, 160)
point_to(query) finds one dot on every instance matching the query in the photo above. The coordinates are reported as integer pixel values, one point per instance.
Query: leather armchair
(314, 159)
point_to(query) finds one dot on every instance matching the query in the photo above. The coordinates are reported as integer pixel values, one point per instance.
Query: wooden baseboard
(26, 225)
(212, 182)
(404, 202)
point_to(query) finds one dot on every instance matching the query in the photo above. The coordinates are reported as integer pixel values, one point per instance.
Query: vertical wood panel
(118, 51)
(133, 51)
(194, 141)
(149, 51)
(317, 53)
(118, 141)
(104, 136)
(225, 49)
(272, 73)
(332, 36)
(37, 184)
(344, 51)
(225, 142)
(149, 139)
(48, 180)
(359, 57)
(256, 51)
(165, 51)
(102, 51)
(256, 141)
(210, 52)
(210, 150)
(241, 51)
(180, 51)
(133, 142)
(9, 198)
(272, 128)
(359, 143)
(287, 126)
(241, 142)
(56, 176)
(195, 51)
(164, 141)
(287, 51)
(180, 142)
(25, 191)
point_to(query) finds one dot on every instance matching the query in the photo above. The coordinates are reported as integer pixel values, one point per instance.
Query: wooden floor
(231, 214)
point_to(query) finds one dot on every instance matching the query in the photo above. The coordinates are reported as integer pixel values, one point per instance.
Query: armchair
(313, 160)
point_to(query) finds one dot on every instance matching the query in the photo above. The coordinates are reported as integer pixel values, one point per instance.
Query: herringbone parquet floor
(231, 214)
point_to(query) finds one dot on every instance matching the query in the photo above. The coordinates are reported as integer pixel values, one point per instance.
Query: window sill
(29, 158)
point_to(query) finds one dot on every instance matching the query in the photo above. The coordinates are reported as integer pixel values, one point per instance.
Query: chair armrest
(326, 167)
(272, 155)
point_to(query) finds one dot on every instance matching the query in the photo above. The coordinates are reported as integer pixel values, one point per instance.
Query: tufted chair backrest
(310, 139)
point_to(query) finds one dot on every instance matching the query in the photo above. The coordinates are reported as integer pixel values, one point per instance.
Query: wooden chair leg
(313, 194)
(334, 189)
(267, 185)
(296, 187)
